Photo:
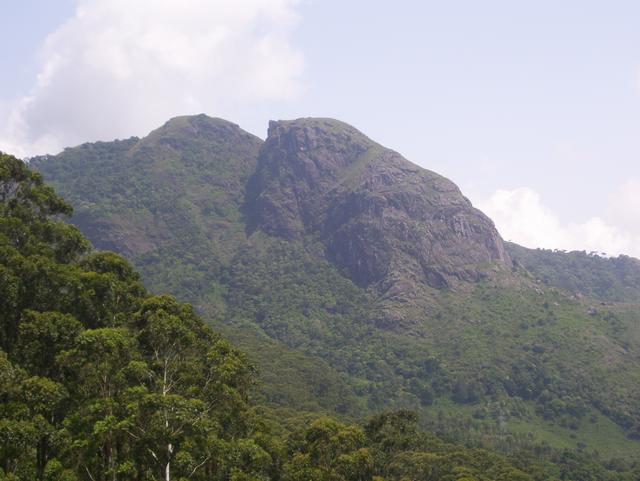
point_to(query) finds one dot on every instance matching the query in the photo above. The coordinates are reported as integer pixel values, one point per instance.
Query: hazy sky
(533, 108)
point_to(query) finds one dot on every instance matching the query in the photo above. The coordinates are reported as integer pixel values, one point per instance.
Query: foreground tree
(99, 380)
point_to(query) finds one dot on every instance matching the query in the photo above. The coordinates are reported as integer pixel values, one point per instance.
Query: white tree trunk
(167, 468)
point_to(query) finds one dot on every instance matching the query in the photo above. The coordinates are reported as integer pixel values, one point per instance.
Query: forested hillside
(358, 282)
(582, 273)
(102, 381)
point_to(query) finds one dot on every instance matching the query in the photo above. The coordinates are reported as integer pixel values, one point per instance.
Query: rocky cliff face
(382, 219)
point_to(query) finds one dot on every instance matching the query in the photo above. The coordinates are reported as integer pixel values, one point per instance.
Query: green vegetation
(506, 363)
(536, 359)
(582, 273)
(101, 381)
(98, 379)
(147, 187)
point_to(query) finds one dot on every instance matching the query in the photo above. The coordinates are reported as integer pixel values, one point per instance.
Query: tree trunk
(167, 469)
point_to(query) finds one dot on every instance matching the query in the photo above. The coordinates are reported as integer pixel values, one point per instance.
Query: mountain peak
(193, 127)
(379, 216)
(383, 221)
(314, 149)
(317, 124)
(197, 120)
(191, 167)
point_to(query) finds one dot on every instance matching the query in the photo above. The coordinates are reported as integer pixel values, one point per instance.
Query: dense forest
(102, 381)
(307, 251)
(583, 273)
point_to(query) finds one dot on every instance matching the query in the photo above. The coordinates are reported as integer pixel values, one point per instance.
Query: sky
(532, 108)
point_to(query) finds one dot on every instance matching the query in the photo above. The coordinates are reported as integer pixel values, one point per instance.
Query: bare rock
(377, 214)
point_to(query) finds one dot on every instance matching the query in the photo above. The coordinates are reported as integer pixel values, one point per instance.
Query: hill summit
(381, 218)
(383, 221)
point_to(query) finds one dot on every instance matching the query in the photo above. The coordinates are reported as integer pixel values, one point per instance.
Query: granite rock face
(383, 220)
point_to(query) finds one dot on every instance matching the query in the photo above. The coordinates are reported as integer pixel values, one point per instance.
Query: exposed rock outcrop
(381, 218)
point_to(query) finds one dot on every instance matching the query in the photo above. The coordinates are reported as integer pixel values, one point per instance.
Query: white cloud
(120, 68)
(624, 204)
(521, 216)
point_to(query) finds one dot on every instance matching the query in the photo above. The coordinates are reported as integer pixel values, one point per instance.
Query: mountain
(381, 219)
(99, 380)
(359, 281)
(141, 198)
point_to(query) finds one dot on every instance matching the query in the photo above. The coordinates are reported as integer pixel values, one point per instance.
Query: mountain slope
(172, 203)
(382, 219)
(609, 279)
(101, 381)
(339, 250)
(165, 201)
